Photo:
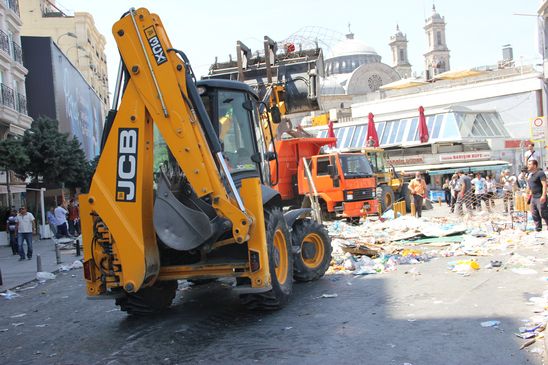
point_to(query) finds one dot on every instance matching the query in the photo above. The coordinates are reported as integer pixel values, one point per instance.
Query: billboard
(56, 89)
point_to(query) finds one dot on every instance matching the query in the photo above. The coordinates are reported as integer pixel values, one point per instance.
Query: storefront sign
(406, 160)
(538, 127)
(516, 143)
(465, 156)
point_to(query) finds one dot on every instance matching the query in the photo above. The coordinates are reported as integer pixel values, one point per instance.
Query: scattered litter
(527, 344)
(536, 350)
(526, 335)
(496, 263)
(3, 330)
(8, 294)
(490, 324)
(328, 296)
(41, 325)
(524, 271)
(287, 328)
(18, 315)
(75, 265)
(44, 275)
(18, 324)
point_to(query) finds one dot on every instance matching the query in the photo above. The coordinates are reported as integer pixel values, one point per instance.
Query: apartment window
(402, 55)
(438, 38)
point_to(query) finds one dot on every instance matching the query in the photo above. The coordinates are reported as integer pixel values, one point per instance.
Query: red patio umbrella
(423, 128)
(331, 134)
(371, 133)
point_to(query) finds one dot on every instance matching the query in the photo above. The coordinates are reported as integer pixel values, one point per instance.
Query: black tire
(386, 199)
(278, 296)
(313, 256)
(406, 196)
(148, 301)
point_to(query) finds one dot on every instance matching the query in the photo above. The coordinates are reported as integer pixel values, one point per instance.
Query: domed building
(355, 68)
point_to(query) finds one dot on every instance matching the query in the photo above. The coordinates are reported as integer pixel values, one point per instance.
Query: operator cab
(355, 166)
(233, 110)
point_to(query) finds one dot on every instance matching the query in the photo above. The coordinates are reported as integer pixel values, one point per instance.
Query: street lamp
(70, 34)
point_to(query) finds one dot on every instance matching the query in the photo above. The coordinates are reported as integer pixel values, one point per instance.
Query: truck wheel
(150, 300)
(314, 255)
(386, 199)
(280, 262)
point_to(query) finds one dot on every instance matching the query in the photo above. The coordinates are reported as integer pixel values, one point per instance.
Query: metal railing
(22, 104)
(8, 96)
(4, 42)
(17, 53)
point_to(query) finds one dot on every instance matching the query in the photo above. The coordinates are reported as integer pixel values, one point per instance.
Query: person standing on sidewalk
(51, 221)
(480, 191)
(11, 228)
(447, 191)
(465, 195)
(537, 189)
(25, 222)
(61, 220)
(491, 190)
(455, 189)
(531, 154)
(74, 218)
(417, 187)
(508, 184)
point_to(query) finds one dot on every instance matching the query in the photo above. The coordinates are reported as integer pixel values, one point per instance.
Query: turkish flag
(372, 139)
(423, 128)
(331, 134)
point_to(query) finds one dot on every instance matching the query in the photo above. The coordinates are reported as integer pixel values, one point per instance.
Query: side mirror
(276, 115)
(270, 156)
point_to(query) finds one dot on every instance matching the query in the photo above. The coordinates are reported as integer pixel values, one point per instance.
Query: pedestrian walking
(508, 185)
(480, 191)
(61, 220)
(465, 195)
(455, 190)
(417, 187)
(531, 154)
(447, 190)
(24, 228)
(74, 218)
(491, 190)
(11, 228)
(537, 191)
(52, 221)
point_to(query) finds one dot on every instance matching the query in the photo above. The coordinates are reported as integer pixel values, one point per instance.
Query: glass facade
(443, 127)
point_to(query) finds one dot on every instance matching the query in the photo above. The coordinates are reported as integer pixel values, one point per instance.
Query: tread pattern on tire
(300, 230)
(278, 296)
(150, 300)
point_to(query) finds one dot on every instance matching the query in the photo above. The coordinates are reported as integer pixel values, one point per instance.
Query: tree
(12, 157)
(54, 159)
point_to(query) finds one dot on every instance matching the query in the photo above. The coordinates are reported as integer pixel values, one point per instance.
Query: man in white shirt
(480, 191)
(531, 154)
(24, 232)
(61, 220)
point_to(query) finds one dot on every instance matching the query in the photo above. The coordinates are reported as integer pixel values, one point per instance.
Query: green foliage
(53, 157)
(13, 156)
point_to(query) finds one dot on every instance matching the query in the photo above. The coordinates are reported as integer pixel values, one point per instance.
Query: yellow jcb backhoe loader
(196, 209)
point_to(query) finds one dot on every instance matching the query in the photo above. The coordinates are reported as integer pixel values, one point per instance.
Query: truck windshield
(355, 166)
(235, 131)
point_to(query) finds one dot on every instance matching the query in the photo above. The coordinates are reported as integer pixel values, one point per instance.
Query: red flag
(331, 133)
(423, 128)
(372, 139)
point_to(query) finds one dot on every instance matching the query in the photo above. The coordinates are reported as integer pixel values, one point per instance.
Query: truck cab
(345, 183)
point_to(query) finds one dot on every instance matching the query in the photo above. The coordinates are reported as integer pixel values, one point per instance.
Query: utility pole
(8, 187)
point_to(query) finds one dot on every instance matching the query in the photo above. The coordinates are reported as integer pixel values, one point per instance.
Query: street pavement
(15, 272)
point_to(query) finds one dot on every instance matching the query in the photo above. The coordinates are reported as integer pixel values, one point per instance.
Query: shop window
(347, 138)
(401, 130)
(450, 128)
(396, 125)
(437, 126)
(380, 130)
(359, 134)
(412, 135)
(387, 132)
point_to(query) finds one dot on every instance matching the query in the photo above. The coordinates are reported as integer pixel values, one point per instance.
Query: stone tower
(400, 62)
(436, 59)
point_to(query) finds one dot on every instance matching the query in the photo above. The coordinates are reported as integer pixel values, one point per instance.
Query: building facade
(14, 119)
(76, 36)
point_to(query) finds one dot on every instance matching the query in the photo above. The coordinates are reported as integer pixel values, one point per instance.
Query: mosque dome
(348, 55)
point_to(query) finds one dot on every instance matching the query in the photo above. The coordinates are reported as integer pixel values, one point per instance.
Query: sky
(475, 30)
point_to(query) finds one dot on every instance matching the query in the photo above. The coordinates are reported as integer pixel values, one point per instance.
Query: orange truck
(345, 182)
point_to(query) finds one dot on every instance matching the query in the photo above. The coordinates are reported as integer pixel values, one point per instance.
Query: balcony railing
(17, 53)
(13, 5)
(4, 42)
(22, 104)
(8, 96)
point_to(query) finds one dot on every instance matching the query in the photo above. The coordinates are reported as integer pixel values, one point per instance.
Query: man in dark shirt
(537, 189)
(465, 195)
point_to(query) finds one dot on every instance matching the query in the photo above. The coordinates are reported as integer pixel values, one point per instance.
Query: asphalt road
(393, 318)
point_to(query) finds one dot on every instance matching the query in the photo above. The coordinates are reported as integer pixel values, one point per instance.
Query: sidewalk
(15, 272)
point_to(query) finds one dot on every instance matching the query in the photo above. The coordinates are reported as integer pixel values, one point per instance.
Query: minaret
(436, 59)
(400, 62)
